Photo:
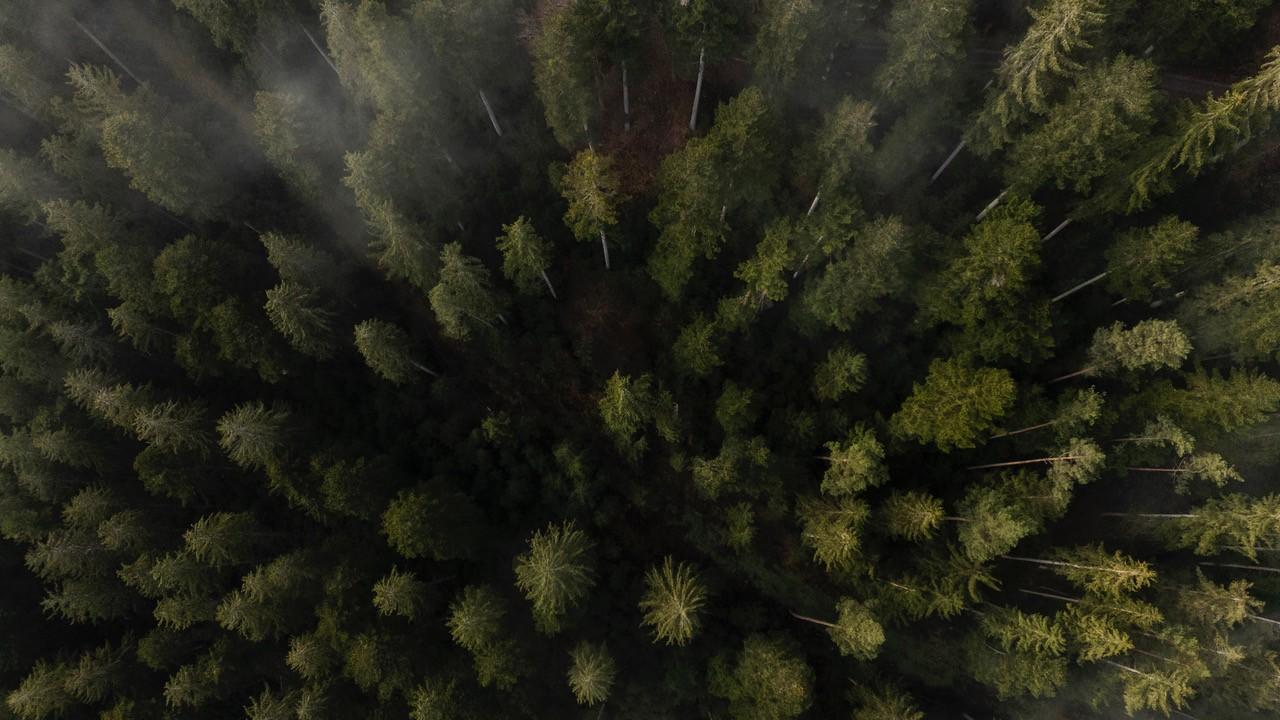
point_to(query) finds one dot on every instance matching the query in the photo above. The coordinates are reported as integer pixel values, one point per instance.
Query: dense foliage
(639, 359)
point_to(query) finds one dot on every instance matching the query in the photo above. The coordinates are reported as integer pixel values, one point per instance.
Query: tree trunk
(815, 621)
(1051, 423)
(1054, 232)
(107, 50)
(955, 519)
(991, 205)
(938, 173)
(1259, 618)
(626, 99)
(547, 280)
(319, 49)
(424, 368)
(813, 204)
(1149, 515)
(1241, 567)
(1079, 287)
(1068, 376)
(697, 92)
(1060, 563)
(493, 119)
(1157, 470)
(1049, 595)
(605, 244)
(1012, 463)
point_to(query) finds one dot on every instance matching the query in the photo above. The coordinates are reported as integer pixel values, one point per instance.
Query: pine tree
(431, 522)
(854, 283)
(926, 48)
(884, 703)
(842, 372)
(768, 680)
(785, 29)
(387, 351)
(855, 631)
(464, 300)
(591, 673)
(955, 405)
(223, 539)
(399, 593)
(831, 529)
(1094, 569)
(253, 435)
(302, 318)
(563, 80)
(1150, 344)
(913, 515)
(590, 187)
(556, 573)
(1143, 261)
(673, 602)
(525, 257)
(855, 465)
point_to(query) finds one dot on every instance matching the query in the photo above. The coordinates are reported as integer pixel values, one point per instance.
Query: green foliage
(856, 280)
(525, 256)
(591, 674)
(842, 372)
(955, 405)
(590, 187)
(563, 80)
(430, 522)
(1143, 261)
(926, 44)
(387, 351)
(831, 529)
(399, 593)
(1150, 344)
(556, 573)
(855, 465)
(856, 631)
(673, 602)
(253, 435)
(464, 300)
(912, 516)
(768, 681)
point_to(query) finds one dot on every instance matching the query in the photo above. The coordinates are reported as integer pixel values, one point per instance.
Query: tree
(253, 435)
(1094, 569)
(1238, 315)
(1150, 344)
(988, 291)
(926, 47)
(841, 147)
(673, 602)
(525, 256)
(768, 681)
(290, 139)
(464, 300)
(842, 372)
(1088, 135)
(42, 693)
(626, 406)
(556, 573)
(885, 703)
(223, 539)
(563, 80)
(990, 524)
(591, 674)
(1029, 68)
(854, 282)
(784, 31)
(1144, 260)
(855, 631)
(831, 529)
(590, 187)
(475, 622)
(913, 515)
(855, 465)
(175, 427)
(302, 318)
(432, 523)
(387, 351)
(399, 593)
(954, 406)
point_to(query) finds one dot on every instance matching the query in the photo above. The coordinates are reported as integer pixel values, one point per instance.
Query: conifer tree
(591, 673)
(301, 317)
(563, 80)
(926, 48)
(855, 281)
(1142, 261)
(556, 573)
(590, 187)
(842, 372)
(673, 602)
(525, 256)
(955, 405)
(784, 31)
(387, 351)
(832, 529)
(913, 515)
(855, 465)
(1150, 344)
(464, 300)
(252, 434)
(885, 703)
(768, 680)
(399, 593)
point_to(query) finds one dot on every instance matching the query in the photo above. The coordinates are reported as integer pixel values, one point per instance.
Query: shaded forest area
(639, 359)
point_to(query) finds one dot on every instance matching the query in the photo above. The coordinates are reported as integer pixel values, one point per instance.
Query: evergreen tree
(592, 673)
(590, 187)
(525, 257)
(673, 602)
(768, 681)
(388, 352)
(954, 405)
(464, 301)
(556, 573)
(253, 435)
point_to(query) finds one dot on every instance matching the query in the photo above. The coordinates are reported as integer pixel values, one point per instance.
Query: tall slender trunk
(1049, 595)
(1149, 515)
(424, 368)
(813, 204)
(1028, 429)
(547, 280)
(946, 163)
(626, 99)
(1061, 563)
(319, 49)
(697, 91)
(1259, 618)
(1054, 232)
(1012, 463)
(1068, 376)
(107, 50)
(815, 621)
(605, 244)
(1079, 287)
(1259, 568)
(493, 119)
(991, 205)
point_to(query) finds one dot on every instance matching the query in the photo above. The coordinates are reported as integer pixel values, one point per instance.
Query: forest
(639, 359)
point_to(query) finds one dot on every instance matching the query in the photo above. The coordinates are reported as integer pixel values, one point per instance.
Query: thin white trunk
(1259, 618)
(697, 92)
(1149, 515)
(547, 280)
(1054, 232)
(941, 169)
(319, 49)
(107, 50)
(813, 204)
(991, 205)
(605, 244)
(1242, 567)
(493, 119)
(450, 160)
(424, 368)
(502, 319)
(1079, 287)
(461, 227)
(723, 209)
(626, 99)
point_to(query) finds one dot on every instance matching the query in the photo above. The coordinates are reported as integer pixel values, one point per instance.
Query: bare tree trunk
(1028, 429)
(107, 50)
(605, 244)
(1049, 595)
(547, 280)
(1149, 515)
(946, 163)
(991, 205)
(1068, 376)
(1079, 287)
(626, 99)
(1011, 463)
(1241, 567)
(319, 49)
(1054, 232)
(424, 368)
(697, 92)
(815, 621)
(493, 119)
(813, 204)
